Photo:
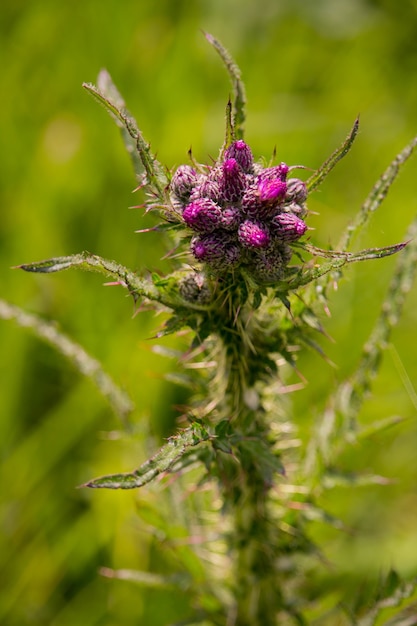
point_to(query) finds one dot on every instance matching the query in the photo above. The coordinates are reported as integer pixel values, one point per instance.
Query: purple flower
(202, 215)
(253, 234)
(216, 249)
(288, 226)
(233, 181)
(183, 182)
(240, 151)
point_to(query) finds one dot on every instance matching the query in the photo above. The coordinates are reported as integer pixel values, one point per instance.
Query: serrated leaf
(147, 579)
(239, 105)
(317, 178)
(380, 426)
(377, 195)
(166, 457)
(137, 287)
(339, 259)
(392, 592)
(335, 479)
(154, 171)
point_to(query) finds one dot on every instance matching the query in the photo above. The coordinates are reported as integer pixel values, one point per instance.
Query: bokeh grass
(65, 185)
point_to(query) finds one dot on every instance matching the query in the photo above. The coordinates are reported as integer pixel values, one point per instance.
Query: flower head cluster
(242, 215)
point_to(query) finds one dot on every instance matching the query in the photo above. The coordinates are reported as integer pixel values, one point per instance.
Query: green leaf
(258, 452)
(377, 195)
(317, 178)
(136, 286)
(380, 426)
(239, 105)
(401, 282)
(339, 260)
(134, 141)
(147, 579)
(391, 592)
(332, 479)
(161, 462)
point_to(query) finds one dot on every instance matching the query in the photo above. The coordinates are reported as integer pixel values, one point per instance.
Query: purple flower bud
(271, 190)
(241, 152)
(231, 218)
(278, 172)
(253, 234)
(288, 227)
(268, 266)
(232, 182)
(296, 191)
(202, 215)
(183, 182)
(263, 199)
(216, 249)
(208, 187)
(298, 209)
(194, 288)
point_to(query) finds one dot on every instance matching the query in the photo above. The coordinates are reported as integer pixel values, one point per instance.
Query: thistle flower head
(208, 187)
(278, 172)
(183, 182)
(244, 214)
(296, 191)
(269, 265)
(253, 234)
(288, 227)
(271, 191)
(202, 215)
(232, 181)
(230, 218)
(240, 151)
(216, 249)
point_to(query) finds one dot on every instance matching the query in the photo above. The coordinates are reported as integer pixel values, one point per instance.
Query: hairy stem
(245, 478)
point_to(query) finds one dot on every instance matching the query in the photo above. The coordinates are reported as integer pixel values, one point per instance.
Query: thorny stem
(257, 598)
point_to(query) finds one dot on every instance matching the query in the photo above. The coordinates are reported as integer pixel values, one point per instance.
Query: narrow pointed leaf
(161, 462)
(350, 394)
(111, 93)
(339, 259)
(377, 195)
(317, 178)
(239, 115)
(380, 426)
(147, 579)
(155, 174)
(137, 286)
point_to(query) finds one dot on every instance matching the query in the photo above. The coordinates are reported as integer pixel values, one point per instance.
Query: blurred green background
(65, 186)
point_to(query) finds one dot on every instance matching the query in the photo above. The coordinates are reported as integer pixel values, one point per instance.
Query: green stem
(245, 485)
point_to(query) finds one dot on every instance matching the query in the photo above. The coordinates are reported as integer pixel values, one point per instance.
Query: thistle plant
(251, 287)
